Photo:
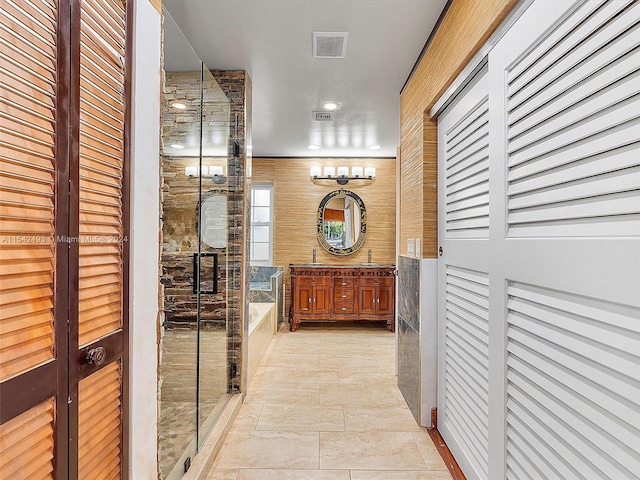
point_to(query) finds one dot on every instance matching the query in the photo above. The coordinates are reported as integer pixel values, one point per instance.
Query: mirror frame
(363, 223)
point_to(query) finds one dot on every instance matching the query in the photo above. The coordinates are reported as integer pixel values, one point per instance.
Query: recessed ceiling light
(330, 105)
(374, 147)
(176, 145)
(178, 105)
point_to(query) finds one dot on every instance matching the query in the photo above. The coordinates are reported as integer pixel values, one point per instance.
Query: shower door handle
(197, 268)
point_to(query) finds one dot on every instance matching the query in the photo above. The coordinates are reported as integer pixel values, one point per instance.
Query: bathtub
(262, 329)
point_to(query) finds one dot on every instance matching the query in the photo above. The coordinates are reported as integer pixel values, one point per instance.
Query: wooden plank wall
(296, 200)
(464, 29)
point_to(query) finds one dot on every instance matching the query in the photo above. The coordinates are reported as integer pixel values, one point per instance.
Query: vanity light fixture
(374, 147)
(214, 172)
(343, 174)
(177, 146)
(313, 147)
(179, 105)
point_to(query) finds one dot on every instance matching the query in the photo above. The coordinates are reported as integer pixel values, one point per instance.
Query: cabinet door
(321, 300)
(367, 300)
(384, 303)
(303, 298)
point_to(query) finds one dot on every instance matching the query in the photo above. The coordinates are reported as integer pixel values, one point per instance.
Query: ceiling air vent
(323, 116)
(329, 44)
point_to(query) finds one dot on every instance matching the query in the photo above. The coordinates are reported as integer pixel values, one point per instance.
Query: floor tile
(251, 474)
(402, 475)
(371, 419)
(301, 418)
(223, 474)
(356, 394)
(248, 416)
(305, 394)
(370, 450)
(285, 450)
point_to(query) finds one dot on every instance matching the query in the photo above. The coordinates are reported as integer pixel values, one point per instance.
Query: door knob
(96, 356)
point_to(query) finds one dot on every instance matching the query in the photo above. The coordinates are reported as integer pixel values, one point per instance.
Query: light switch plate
(410, 246)
(417, 248)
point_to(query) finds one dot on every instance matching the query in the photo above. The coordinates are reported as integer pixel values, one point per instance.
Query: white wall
(145, 206)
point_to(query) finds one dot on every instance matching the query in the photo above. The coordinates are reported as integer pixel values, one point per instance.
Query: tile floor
(324, 405)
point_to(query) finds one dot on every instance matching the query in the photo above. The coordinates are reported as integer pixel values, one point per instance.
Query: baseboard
(445, 453)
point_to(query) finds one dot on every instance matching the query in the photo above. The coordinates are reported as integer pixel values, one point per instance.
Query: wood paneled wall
(296, 200)
(464, 29)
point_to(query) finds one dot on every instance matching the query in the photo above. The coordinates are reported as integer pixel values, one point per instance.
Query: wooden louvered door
(33, 265)
(63, 250)
(98, 331)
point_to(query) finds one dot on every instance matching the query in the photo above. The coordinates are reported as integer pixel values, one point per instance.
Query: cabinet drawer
(342, 307)
(343, 283)
(373, 281)
(342, 295)
(311, 281)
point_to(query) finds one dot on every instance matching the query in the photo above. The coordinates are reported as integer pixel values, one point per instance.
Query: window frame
(262, 186)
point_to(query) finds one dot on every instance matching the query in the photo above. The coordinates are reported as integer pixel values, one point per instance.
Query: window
(262, 224)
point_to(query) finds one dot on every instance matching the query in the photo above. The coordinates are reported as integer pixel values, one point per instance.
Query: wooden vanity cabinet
(376, 297)
(342, 293)
(311, 296)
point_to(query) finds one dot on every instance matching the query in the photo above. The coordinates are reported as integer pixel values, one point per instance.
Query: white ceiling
(272, 40)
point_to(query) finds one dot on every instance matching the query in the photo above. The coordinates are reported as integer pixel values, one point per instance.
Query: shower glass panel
(194, 367)
(213, 254)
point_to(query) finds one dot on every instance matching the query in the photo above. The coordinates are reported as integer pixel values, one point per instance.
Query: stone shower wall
(236, 85)
(180, 203)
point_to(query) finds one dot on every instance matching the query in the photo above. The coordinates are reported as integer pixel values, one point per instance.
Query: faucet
(314, 255)
(369, 256)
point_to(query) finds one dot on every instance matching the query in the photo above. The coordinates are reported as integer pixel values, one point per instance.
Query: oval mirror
(214, 220)
(342, 222)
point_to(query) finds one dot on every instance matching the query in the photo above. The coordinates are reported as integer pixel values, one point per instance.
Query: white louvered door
(463, 391)
(562, 256)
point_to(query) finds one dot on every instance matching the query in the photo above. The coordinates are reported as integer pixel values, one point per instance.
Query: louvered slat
(99, 424)
(574, 127)
(467, 175)
(27, 129)
(466, 358)
(569, 387)
(101, 169)
(26, 444)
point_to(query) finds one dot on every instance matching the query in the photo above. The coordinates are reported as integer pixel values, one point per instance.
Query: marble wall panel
(409, 332)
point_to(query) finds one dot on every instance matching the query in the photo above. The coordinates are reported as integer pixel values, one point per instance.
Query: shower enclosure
(197, 147)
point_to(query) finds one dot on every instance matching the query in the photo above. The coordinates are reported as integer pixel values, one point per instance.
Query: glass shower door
(194, 368)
